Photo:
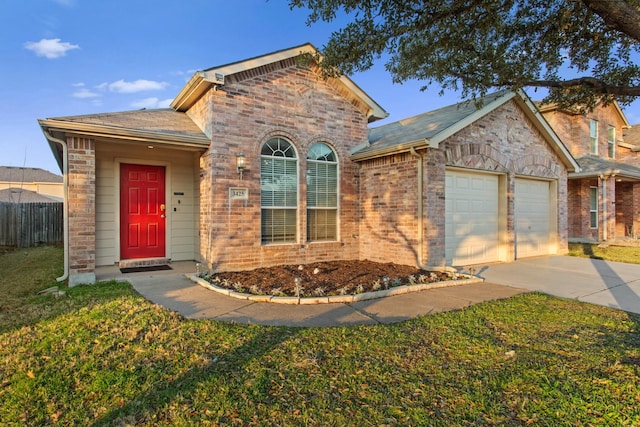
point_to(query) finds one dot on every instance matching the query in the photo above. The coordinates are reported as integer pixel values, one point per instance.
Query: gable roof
(19, 174)
(20, 195)
(595, 166)
(429, 129)
(202, 81)
(159, 126)
(575, 112)
(631, 137)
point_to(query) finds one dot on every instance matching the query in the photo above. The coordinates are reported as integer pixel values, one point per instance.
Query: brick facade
(617, 208)
(573, 130)
(388, 205)
(285, 100)
(379, 204)
(81, 208)
(504, 141)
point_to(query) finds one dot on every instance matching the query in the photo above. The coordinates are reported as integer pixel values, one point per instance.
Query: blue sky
(70, 57)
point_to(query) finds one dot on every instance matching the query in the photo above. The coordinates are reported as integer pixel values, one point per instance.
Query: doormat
(145, 268)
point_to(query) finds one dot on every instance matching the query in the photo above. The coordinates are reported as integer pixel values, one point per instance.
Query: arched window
(279, 191)
(322, 193)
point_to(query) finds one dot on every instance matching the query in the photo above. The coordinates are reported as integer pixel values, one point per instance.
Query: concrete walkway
(609, 284)
(171, 289)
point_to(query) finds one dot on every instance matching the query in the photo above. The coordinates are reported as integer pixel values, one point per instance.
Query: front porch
(604, 202)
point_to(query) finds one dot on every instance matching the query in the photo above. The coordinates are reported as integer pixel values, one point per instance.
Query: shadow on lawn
(229, 365)
(587, 249)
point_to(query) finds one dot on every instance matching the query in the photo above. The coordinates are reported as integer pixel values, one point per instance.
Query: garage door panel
(532, 217)
(471, 226)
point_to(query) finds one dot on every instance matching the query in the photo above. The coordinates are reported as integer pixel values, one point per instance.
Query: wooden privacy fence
(30, 224)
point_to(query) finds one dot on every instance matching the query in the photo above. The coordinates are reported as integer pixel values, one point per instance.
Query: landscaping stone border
(345, 299)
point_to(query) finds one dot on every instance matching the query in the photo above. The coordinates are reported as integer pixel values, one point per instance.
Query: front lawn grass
(628, 254)
(103, 355)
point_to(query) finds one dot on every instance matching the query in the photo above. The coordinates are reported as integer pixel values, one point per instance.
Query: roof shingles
(592, 166)
(165, 121)
(423, 126)
(20, 174)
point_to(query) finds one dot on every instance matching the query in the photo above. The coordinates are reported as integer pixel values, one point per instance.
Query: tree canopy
(584, 51)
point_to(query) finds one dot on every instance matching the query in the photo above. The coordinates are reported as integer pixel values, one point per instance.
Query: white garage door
(471, 211)
(532, 217)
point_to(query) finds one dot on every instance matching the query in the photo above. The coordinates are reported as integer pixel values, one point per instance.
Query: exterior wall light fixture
(241, 164)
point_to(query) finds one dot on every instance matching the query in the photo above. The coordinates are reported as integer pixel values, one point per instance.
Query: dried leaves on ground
(325, 278)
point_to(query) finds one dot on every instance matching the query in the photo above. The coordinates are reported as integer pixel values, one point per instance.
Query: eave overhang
(175, 140)
(618, 173)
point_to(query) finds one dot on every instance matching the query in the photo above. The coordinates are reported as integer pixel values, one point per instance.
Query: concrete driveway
(611, 284)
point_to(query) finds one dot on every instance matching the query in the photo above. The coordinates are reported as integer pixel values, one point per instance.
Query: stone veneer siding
(81, 208)
(286, 100)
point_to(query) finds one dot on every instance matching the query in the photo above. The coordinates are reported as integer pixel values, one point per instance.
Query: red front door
(142, 211)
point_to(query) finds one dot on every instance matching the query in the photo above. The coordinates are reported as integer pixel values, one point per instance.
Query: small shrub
(277, 292)
(238, 287)
(319, 292)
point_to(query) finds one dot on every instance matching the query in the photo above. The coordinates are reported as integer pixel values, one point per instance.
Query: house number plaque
(238, 194)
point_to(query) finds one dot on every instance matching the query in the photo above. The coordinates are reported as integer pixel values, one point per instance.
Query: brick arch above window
(278, 133)
(539, 164)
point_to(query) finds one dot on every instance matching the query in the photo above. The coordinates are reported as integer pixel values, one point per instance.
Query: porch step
(143, 262)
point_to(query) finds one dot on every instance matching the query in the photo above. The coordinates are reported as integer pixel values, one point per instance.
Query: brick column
(434, 208)
(82, 214)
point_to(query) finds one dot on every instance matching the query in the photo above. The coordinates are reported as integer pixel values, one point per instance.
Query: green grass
(610, 253)
(103, 355)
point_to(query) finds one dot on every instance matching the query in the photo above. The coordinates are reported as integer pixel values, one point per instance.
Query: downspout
(420, 209)
(65, 205)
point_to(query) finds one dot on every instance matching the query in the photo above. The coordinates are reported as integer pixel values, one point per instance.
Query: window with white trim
(322, 193)
(611, 141)
(593, 207)
(593, 136)
(279, 191)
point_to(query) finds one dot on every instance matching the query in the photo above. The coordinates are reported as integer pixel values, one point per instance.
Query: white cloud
(50, 48)
(84, 93)
(152, 102)
(137, 86)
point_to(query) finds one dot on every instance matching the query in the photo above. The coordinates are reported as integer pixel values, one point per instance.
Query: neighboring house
(264, 162)
(18, 195)
(30, 180)
(604, 197)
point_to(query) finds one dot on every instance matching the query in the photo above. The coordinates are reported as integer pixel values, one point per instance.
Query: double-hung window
(279, 192)
(322, 193)
(611, 142)
(593, 136)
(593, 207)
